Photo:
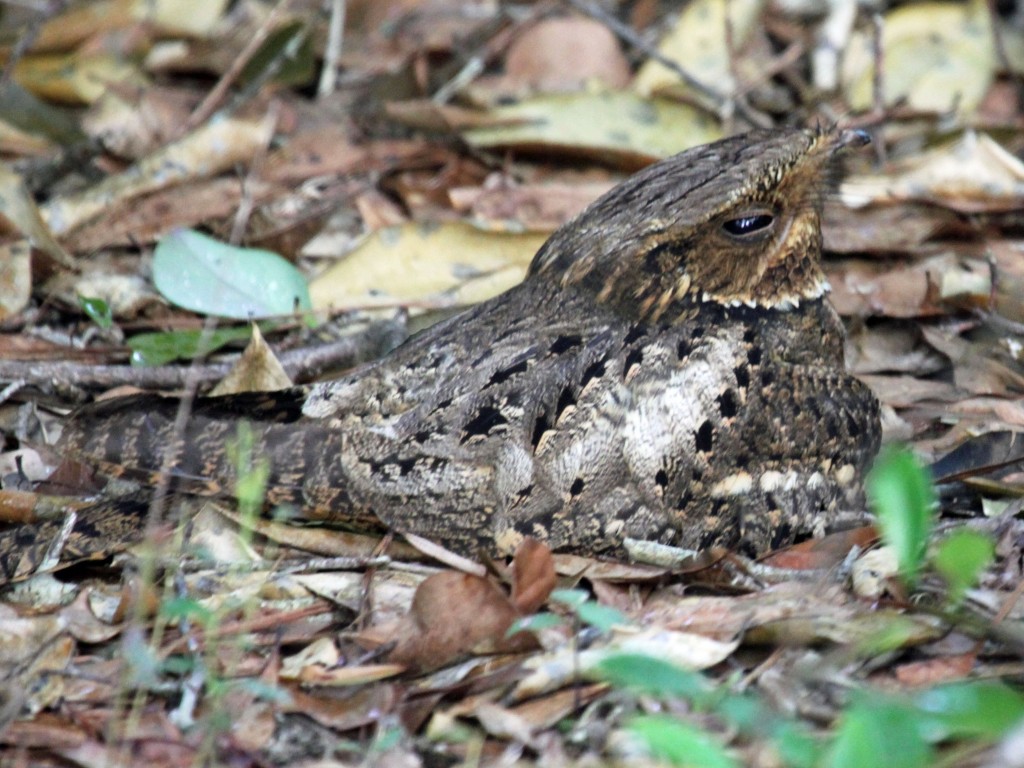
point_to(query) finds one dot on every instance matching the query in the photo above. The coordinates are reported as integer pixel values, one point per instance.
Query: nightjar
(669, 370)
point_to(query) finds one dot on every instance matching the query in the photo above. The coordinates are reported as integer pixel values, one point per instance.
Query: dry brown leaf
(328, 150)
(975, 368)
(141, 220)
(547, 711)
(929, 672)
(822, 554)
(540, 60)
(1008, 278)
(453, 614)
(217, 146)
(361, 706)
(577, 567)
(46, 730)
(531, 207)
(972, 175)
(881, 228)
(905, 391)
(132, 122)
(863, 288)
(533, 575)
(257, 370)
(65, 31)
(891, 348)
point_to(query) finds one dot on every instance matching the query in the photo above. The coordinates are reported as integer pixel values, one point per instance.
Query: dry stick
(302, 364)
(216, 95)
(878, 83)
(335, 34)
(629, 36)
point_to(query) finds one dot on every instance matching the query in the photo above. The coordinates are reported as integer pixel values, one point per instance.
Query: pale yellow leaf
(19, 208)
(615, 127)
(182, 17)
(435, 265)
(699, 42)
(972, 174)
(74, 78)
(937, 56)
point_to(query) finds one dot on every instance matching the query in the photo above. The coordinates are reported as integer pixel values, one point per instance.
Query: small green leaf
(573, 598)
(797, 747)
(961, 558)
(603, 617)
(163, 348)
(879, 731)
(204, 275)
(251, 470)
(97, 310)
(902, 497)
(647, 674)
(186, 608)
(970, 709)
(680, 743)
(286, 55)
(535, 623)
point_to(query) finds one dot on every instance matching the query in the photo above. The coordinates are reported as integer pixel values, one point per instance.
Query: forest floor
(406, 158)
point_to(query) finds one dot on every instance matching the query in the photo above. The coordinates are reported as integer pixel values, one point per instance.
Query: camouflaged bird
(669, 370)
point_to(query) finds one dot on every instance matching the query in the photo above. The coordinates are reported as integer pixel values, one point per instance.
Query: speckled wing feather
(670, 370)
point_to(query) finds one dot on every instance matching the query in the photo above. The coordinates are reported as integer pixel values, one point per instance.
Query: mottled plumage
(670, 369)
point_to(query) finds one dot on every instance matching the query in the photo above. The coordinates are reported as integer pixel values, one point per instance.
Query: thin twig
(878, 82)
(302, 365)
(217, 94)
(335, 35)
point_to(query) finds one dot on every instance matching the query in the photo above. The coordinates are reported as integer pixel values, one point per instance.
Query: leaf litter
(425, 179)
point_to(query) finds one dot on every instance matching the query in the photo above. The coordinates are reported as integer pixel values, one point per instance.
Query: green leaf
(204, 275)
(970, 709)
(163, 348)
(603, 617)
(876, 731)
(573, 598)
(251, 470)
(647, 674)
(961, 558)
(535, 623)
(680, 743)
(186, 608)
(286, 56)
(596, 615)
(797, 747)
(97, 310)
(901, 494)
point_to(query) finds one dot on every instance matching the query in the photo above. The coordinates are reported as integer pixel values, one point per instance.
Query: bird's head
(735, 222)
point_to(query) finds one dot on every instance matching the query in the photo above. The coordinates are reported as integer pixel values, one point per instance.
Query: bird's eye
(748, 225)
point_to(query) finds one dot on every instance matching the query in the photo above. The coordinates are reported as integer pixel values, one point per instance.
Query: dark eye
(748, 225)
